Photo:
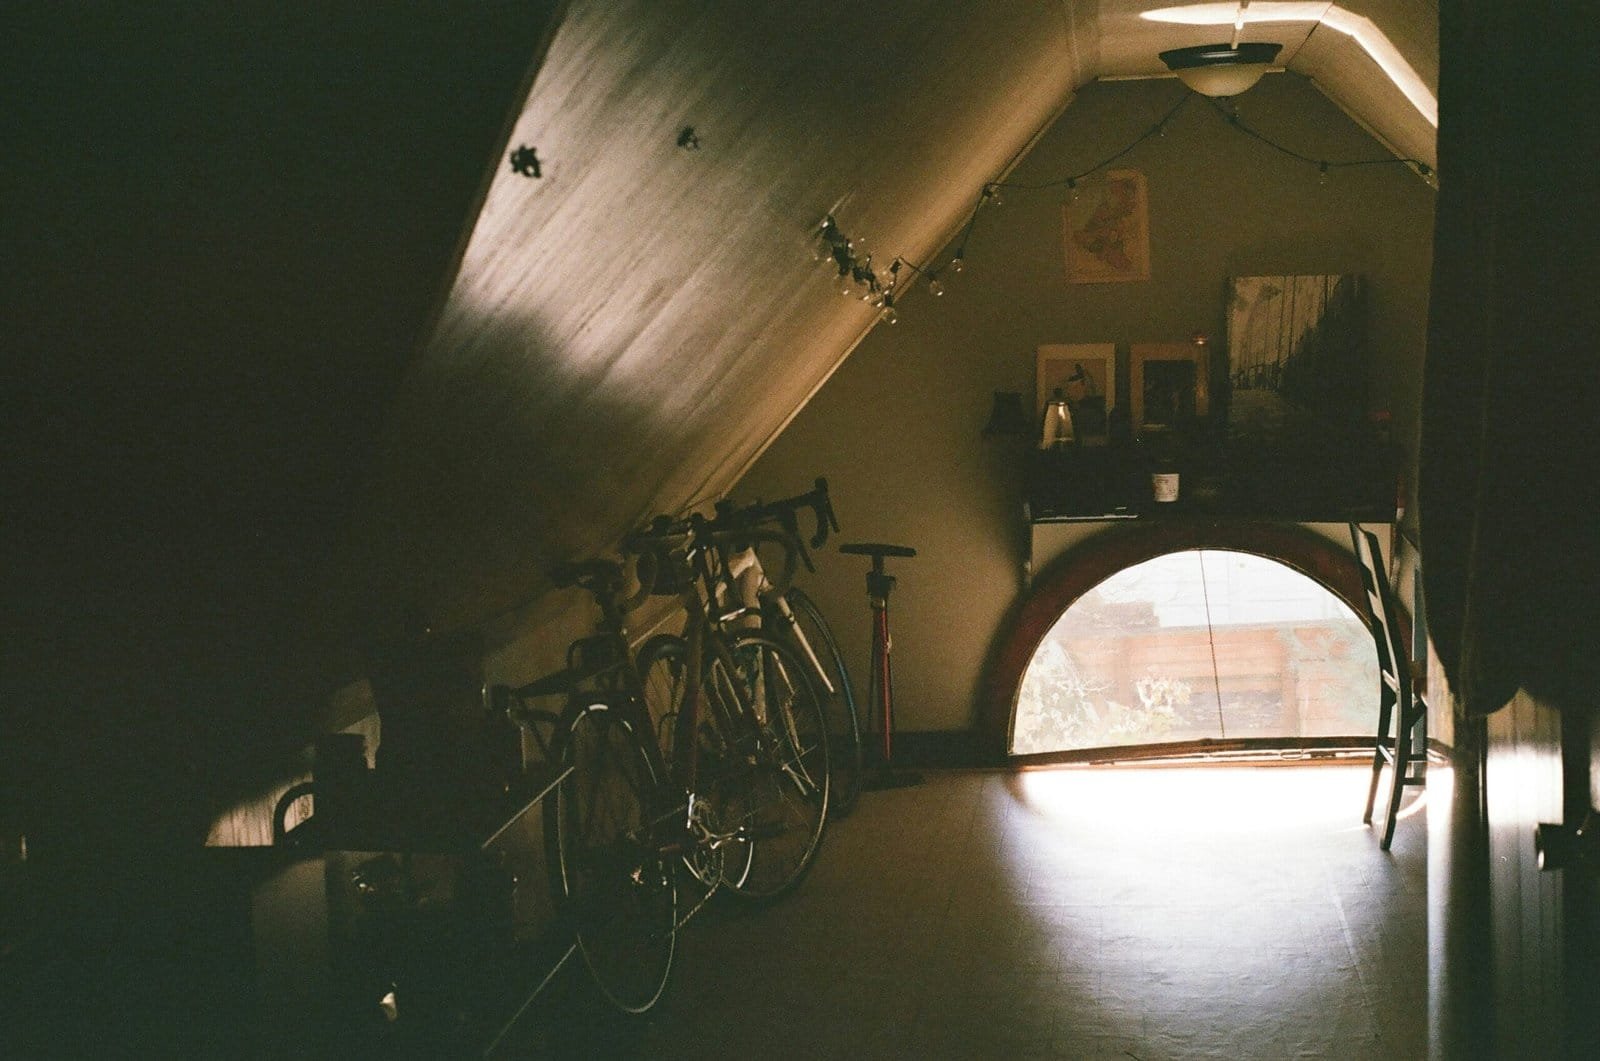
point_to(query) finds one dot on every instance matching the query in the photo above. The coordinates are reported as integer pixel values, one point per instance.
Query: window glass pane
(1195, 645)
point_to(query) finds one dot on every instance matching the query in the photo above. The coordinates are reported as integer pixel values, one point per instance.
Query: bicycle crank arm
(748, 833)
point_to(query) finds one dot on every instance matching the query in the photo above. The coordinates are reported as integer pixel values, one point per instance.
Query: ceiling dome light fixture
(1221, 69)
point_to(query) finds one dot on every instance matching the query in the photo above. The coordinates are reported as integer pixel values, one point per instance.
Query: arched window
(1197, 645)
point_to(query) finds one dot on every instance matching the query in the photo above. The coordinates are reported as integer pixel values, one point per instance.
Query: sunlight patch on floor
(1232, 799)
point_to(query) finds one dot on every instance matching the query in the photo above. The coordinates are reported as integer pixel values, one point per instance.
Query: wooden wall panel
(1524, 789)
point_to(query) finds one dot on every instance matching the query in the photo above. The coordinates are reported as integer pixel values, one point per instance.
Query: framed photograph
(1086, 375)
(1108, 230)
(1169, 384)
(1296, 342)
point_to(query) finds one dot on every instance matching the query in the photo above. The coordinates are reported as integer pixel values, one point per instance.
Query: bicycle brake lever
(822, 508)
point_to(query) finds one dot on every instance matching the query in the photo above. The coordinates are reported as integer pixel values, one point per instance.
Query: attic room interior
(339, 340)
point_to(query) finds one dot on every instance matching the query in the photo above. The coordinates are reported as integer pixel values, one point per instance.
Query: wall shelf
(1312, 480)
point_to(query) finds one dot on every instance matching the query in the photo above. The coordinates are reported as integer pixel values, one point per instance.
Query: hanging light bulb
(1072, 189)
(890, 316)
(957, 263)
(935, 287)
(1322, 174)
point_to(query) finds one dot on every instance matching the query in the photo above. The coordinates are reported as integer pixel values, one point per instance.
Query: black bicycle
(614, 880)
(738, 717)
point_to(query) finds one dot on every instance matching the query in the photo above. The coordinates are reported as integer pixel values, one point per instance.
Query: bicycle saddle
(876, 549)
(586, 573)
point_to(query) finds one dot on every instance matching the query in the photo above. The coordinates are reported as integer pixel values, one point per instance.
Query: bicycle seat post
(879, 585)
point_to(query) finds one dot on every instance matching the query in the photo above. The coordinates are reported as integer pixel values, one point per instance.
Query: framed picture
(1108, 230)
(1296, 342)
(1086, 374)
(1169, 384)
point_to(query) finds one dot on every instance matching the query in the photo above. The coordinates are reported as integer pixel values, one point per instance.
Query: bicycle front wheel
(611, 883)
(779, 796)
(663, 665)
(811, 631)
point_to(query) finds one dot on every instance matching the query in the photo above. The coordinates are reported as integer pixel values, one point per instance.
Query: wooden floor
(1216, 912)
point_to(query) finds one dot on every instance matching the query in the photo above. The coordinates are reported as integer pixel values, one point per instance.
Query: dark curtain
(1507, 492)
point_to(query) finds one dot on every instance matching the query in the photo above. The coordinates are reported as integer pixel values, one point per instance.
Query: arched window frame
(1096, 559)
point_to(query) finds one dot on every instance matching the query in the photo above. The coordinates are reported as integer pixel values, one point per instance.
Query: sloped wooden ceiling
(630, 328)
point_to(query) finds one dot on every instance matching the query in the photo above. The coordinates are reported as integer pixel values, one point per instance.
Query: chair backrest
(1383, 614)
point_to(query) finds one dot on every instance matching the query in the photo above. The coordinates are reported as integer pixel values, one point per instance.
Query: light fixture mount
(1221, 69)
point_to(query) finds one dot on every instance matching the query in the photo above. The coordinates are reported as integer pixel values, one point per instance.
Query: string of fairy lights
(857, 277)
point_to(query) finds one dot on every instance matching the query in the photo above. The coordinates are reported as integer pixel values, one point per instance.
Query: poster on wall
(1107, 230)
(1296, 345)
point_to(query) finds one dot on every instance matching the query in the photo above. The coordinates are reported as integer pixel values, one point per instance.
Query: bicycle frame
(702, 633)
(749, 580)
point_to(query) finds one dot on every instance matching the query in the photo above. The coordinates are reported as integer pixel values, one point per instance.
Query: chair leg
(1386, 700)
(1397, 788)
(1405, 754)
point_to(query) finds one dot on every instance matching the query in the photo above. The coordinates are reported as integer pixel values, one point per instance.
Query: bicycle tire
(778, 793)
(610, 883)
(844, 723)
(662, 664)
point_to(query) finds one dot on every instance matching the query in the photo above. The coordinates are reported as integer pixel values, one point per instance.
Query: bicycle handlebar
(785, 512)
(665, 538)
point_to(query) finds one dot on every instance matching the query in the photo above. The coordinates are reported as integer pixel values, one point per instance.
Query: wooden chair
(1399, 707)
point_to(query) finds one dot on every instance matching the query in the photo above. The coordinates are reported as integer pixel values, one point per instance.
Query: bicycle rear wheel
(778, 794)
(610, 881)
(839, 707)
(663, 665)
